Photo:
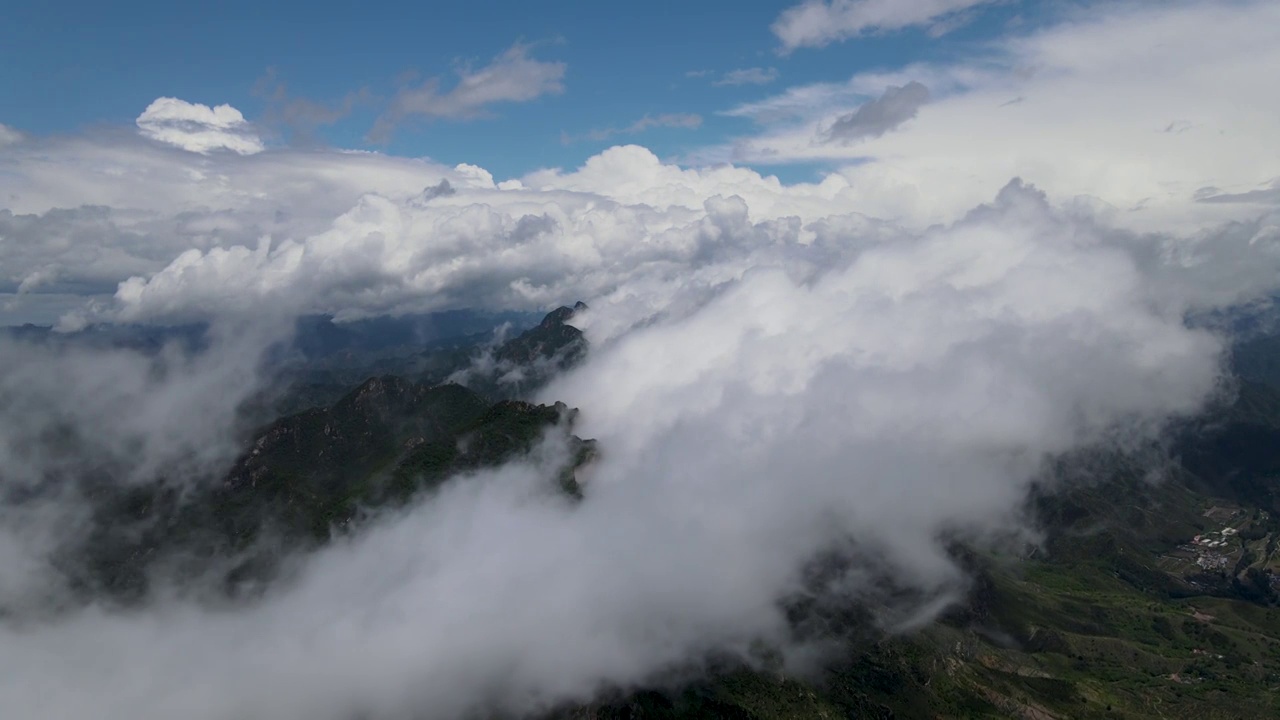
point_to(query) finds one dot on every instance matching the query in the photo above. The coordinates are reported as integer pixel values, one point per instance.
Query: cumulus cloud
(148, 233)
(82, 214)
(530, 251)
(1104, 84)
(511, 77)
(527, 244)
(86, 214)
(633, 175)
(817, 23)
(877, 117)
(688, 121)
(749, 76)
(760, 397)
(198, 128)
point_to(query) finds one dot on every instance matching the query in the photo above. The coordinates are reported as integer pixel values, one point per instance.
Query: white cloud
(552, 238)
(633, 175)
(816, 23)
(801, 101)
(176, 236)
(1094, 95)
(511, 77)
(86, 214)
(198, 128)
(81, 214)
(749, 76)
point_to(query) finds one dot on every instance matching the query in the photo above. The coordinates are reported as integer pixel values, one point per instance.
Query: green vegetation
(313, 474)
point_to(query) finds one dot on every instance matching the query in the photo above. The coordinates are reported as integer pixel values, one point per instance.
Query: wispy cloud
(301, 116)
(800, 101)
(877, 117)
(510, 78)
(1268, 194)
(749, 76)
(817, 23)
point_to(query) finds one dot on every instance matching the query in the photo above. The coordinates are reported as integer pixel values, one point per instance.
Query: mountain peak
(562, 314)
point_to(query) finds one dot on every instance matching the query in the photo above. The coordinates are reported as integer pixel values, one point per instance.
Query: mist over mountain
(315, 338)
(742, 434)
(981, 418)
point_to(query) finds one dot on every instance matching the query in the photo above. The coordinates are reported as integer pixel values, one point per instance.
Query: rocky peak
(561, 315)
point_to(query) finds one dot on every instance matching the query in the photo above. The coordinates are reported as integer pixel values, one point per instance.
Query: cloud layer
(771, 378)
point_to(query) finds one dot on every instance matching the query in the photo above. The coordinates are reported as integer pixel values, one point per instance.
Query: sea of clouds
(776, 371)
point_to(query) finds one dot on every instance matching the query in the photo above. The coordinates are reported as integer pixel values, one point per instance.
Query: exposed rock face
(553, 341)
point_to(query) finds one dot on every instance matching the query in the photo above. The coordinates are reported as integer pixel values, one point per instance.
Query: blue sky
(68, 66)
